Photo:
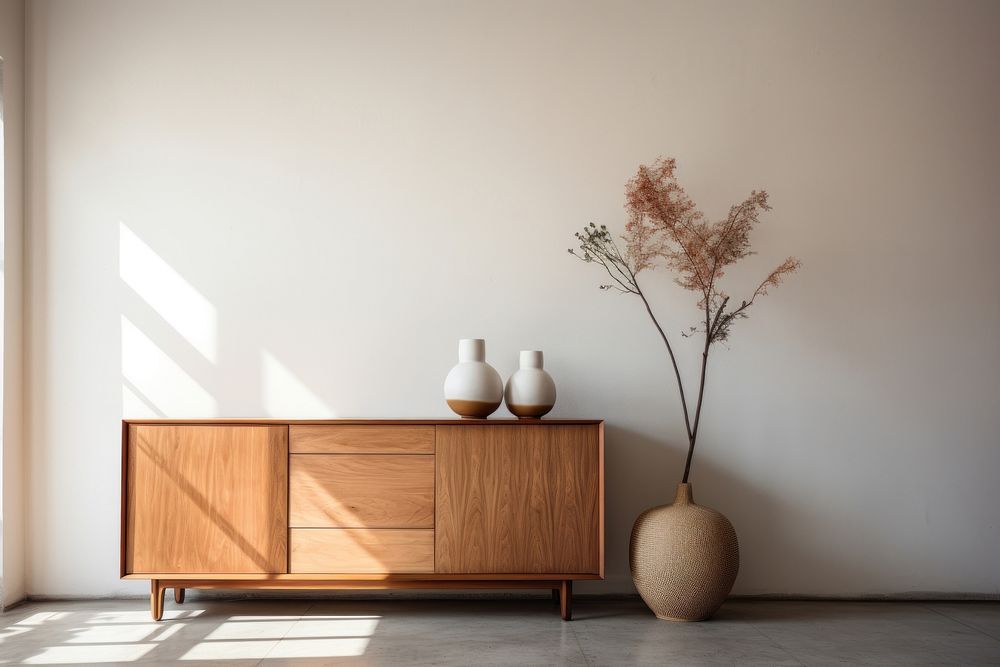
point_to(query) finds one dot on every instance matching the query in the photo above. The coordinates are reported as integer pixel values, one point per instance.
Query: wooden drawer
(349, 550)
(361, 491)
(335, 439)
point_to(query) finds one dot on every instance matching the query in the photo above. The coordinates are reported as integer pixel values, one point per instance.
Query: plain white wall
(295, 209)
(12, 497)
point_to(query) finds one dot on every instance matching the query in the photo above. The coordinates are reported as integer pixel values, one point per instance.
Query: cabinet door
(206, 499)
(518, 500)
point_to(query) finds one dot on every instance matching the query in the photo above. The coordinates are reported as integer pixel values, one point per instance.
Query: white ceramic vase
(531, 391)
(473, 388)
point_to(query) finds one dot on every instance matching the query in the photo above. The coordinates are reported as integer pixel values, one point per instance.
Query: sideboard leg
(566, 600)
(156, 593)
(179, 595)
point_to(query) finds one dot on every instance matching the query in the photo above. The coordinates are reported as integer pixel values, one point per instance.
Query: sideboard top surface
(376, 422)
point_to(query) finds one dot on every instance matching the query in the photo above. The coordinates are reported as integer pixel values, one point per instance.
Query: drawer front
(335, 439)
(361, 491)
(353, 551)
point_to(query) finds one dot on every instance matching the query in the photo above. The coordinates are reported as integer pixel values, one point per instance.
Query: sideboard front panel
(206, 499)
(361, 491)
(357, 551)
(518, 499)
(361, 439)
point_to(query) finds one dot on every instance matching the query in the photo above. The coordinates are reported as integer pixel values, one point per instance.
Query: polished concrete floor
(497, 632)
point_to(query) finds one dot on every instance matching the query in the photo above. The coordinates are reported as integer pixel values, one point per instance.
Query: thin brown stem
(673, 360)
(697, 410)
(701, 391)
(718, 316)
(622, 286)
(602, 257)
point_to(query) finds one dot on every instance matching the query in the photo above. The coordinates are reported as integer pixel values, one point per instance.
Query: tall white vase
(473, 388)
(531, 391)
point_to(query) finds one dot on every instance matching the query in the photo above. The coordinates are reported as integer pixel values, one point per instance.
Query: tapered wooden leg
(566, 600)
(179, 595)
(156, 592)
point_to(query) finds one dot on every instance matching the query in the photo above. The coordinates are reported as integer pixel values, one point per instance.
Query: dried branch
(665, 227)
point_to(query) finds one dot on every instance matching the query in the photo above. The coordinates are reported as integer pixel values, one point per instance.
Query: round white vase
(531, 391)
(473, 388)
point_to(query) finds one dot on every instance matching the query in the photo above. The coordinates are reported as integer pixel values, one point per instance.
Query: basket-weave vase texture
(684, 558)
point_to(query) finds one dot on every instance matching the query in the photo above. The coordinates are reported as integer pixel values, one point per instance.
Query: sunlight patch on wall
(136, 406)
(164, 385)
(168, 293)
(285, 396)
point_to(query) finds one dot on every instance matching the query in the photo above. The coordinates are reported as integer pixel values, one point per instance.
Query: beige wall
(12, 505)
(297, 208)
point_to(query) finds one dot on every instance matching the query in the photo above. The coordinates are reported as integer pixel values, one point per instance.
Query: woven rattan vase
(684, 558)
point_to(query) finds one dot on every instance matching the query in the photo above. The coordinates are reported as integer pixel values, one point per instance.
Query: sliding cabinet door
(518, 499)
(206, 499)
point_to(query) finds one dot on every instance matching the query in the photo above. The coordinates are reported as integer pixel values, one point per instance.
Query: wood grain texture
(602, 520)
(361, 439)
(348, 550)
(349, 582)
(123, 510)
(206, 499)
(518, 499)
(361, 576)
(366, 422)
(156, 594)
(361, 491)
(527, 534)
(566, 600)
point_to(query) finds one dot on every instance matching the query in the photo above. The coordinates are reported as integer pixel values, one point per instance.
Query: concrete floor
(497, 632)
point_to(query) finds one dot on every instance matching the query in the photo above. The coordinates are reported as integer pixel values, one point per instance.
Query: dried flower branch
(664, 226)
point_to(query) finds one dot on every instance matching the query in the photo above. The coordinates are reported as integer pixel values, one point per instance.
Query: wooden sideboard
(362, 504)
